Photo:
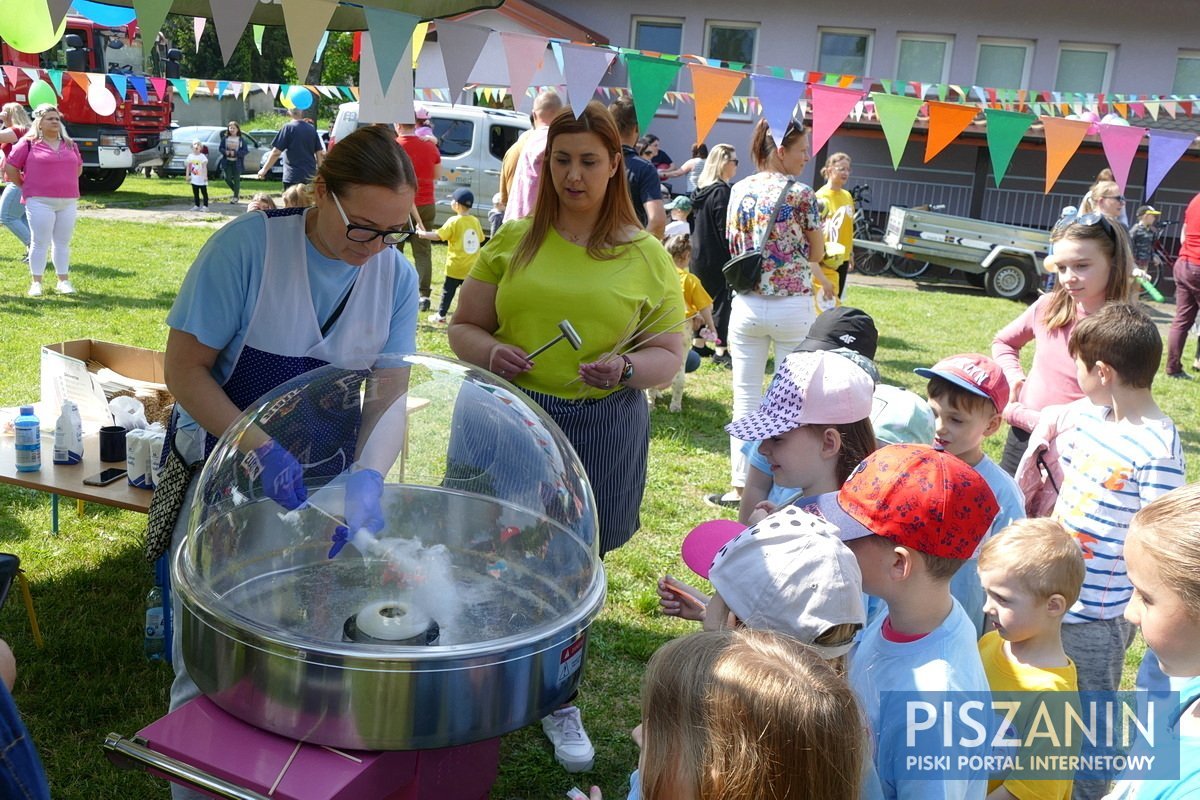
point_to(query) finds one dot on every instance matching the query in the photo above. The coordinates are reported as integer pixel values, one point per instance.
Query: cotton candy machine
(464, 618)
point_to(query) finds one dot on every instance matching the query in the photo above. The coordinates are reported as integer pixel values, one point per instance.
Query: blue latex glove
(282, 476)
(364, 488)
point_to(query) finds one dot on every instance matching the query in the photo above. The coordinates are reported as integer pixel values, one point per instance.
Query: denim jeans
(755, 323)
(21, 774)
(12, 213)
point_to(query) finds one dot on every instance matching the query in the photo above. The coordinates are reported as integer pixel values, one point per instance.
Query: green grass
(89, 582)
(139, 191)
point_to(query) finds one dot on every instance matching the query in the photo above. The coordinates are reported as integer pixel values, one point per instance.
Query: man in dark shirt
(644, 187)
(300, 143)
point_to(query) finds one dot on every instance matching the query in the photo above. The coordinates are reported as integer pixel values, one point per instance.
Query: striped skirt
(611, 435)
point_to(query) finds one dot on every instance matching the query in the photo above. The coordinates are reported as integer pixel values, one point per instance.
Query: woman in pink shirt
(46, 164)
(12, 216)
(1094, 264)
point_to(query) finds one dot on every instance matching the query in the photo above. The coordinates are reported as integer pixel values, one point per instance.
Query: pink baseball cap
(917, 496)
(975, 373)
(701, 545)
(817, 388)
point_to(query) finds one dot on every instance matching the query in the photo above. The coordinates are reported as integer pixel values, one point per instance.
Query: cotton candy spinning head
(565, 332)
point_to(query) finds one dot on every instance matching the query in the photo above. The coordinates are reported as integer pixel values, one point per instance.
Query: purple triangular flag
(779, 97)
(583, 68)
(1166, 147)
(461, 44)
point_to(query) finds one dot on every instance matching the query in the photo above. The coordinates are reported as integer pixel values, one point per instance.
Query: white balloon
(101, 99)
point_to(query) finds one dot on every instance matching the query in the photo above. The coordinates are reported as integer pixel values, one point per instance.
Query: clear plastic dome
(488, 556)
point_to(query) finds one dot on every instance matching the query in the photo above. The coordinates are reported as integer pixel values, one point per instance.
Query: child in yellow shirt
(463, 236)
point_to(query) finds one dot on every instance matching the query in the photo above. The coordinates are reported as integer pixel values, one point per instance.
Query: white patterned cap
(791, 574)
(818, 388)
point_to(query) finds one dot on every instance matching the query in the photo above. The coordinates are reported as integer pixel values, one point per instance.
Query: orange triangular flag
(1063, 137)
(946, 122)
(712, 87)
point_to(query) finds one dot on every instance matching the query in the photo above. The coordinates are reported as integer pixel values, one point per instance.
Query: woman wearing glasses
(275, 294)
(780, 309)
(1094, 264)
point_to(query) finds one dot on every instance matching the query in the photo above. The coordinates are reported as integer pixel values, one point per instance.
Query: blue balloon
(300, 97)
(104, 15)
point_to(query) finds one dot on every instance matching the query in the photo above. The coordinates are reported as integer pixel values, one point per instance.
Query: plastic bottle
(68, 435)
(154, 644)
(29, 441)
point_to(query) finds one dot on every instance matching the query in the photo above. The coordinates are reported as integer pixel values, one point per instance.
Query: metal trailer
(1006, 260)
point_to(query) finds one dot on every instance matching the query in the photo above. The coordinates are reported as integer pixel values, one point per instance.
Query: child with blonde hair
(298, 195)
(698, 307)
(1031, 572)
(1162, 557)
(746, 715)
(261, 202)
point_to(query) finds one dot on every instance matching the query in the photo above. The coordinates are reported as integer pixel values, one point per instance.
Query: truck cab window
(500, 138)
(454, 136)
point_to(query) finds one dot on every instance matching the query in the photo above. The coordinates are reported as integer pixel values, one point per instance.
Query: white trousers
(51, 223)
(755, 322)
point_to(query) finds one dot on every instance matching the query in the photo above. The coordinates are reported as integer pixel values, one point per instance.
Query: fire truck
(136, 134)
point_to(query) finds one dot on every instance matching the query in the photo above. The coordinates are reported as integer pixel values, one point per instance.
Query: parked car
(472, 141)
(210, 136)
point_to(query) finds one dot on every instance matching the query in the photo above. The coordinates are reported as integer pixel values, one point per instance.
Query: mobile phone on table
(105, 478)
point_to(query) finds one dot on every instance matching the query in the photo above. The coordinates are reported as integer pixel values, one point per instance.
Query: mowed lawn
(89, 582)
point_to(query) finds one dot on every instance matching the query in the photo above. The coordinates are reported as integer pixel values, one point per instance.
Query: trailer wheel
(1009, 278)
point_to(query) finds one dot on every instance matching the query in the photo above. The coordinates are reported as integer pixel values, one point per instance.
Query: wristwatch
(627, 373)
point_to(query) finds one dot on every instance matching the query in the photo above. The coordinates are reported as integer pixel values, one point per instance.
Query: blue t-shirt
(300, 144)
(219, 292)
(644, 184)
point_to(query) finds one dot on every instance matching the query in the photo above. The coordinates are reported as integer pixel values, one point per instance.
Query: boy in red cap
(967, 393)
(913, 515)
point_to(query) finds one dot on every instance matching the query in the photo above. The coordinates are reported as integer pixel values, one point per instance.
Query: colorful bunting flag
(946, 122)
(1166, 147)
(649, 79)
(524, 56)
(306, 21)
(583, 68)
(830, 107)
(1004, 132)
(897, 113)
(779, 98)
(150, 17)
(388, 28)
(230, 18)
(712, 87)
(1063, 137)
(460, 43)
(1120, 143)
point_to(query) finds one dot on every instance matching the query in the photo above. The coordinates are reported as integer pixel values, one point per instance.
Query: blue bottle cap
(26, 411)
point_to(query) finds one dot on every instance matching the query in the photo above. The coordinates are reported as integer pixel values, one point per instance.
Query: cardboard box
(67, 372)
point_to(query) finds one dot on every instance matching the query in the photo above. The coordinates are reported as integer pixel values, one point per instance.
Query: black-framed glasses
(1087, 220)
(1120, 198)
(733, 161)
(361, 233)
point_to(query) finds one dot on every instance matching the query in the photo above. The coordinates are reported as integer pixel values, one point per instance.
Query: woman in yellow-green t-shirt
(581, 257)
(835, 197)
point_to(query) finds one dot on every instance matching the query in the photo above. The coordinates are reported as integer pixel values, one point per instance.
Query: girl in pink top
(46, 164)
(1094, 264)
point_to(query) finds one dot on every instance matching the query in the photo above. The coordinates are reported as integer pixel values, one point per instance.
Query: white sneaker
(204, 208)
(195, 208)
(437, 319)
(35, 289)
(572, 747)
(64, 287)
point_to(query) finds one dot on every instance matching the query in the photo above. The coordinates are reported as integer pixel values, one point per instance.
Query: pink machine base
(207, 738)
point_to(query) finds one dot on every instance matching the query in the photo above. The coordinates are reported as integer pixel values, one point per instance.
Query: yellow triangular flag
(418, 40)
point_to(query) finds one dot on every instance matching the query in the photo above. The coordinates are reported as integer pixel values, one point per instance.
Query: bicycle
(867, 262)
(1161, 259)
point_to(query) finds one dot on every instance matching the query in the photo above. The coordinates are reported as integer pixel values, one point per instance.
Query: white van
(472, 141)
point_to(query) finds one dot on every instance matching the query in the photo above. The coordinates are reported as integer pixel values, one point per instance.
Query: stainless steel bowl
(511, 581)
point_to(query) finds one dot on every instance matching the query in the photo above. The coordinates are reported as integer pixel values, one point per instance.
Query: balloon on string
(41, 93)
(25, 26)
(300, 97)
(101, 99)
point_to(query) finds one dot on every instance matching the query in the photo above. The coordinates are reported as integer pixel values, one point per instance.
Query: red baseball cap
(917, 496)
(973, 372)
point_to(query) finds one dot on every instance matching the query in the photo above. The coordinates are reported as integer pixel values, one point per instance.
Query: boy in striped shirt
(1122, 452)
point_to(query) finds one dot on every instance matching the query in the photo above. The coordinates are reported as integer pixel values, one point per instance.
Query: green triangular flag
(150, 17)
(886, 83)
(181, 89)
(897, 114)
(649, 79)
(1004, 132)
(258, 37)
(942, 91)
(56, 79)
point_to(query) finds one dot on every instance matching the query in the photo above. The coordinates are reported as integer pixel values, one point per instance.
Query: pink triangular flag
(230, 18)
(1120, 144)
(830, 107)
(1166, 147)
(12, 73)
(160, 87)
(524, 55)
(460, 43)
(198, 24)
(583, 68)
